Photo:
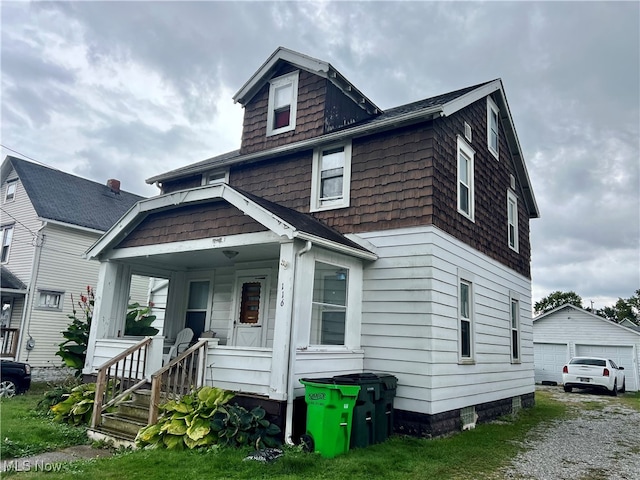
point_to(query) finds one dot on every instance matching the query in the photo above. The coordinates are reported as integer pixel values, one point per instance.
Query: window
(512, 220)
(196, 314)
(10, 194)
(213, 178)
(283, 98)
(50, 299)
(331, 177)
(466, 321)
(465, 178)
(515, 329)
(329, 305)
(467, 132)
(250, 303)
(492, 127)
(7, 236)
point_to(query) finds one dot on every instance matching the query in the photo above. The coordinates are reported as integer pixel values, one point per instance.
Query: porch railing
(120, 376)
(178, 377)
(9, 341)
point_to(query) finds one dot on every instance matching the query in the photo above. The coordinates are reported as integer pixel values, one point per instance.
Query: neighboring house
(48, 219)
(569, 331)
(341, 238)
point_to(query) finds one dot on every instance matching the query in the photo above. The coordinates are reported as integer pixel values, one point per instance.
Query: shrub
(77, 407)
(187, 422)
(55, 395)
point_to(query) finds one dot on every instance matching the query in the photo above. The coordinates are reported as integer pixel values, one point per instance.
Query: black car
(15, 377)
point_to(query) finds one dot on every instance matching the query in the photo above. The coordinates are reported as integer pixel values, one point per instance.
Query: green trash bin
(329, 415)
(363, 431)
(384, 407)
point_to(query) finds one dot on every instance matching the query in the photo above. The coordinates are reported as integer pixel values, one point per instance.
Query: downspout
(288, 428)
(28, 300)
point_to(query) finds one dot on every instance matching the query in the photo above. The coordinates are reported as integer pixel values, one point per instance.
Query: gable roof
(66, 198)
(415, 112)
(304, 62)
(582, 310)
(9, 282)
(281, 220)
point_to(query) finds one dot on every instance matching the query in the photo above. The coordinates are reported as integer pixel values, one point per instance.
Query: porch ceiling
(210, 258)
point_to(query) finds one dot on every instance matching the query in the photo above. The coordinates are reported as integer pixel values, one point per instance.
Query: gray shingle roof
(66, 198)
(8, 281)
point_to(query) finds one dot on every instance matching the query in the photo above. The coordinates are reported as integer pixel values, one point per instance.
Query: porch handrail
(110, 386)
(9, 341)
(178, 376)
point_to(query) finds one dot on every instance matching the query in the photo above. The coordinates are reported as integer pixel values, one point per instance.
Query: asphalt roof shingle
(66, 198)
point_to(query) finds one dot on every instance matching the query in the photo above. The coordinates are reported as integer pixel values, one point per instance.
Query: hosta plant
(186, 423)
(77, 407)
(236, 426)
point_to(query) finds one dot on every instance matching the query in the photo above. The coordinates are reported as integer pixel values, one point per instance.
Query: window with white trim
(493, 135)
(512, 220)
(215, 177)
(465, 178)
(514, 314)
(329, 305)
(10, 193)
(7, 237)
(465, 321)
(283, 99)
(50, 299)
(331, 177)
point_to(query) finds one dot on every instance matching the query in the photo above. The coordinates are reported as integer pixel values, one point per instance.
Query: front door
(250, 316)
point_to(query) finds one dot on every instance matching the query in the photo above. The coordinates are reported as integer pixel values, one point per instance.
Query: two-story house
(341, 238)
(48, 219)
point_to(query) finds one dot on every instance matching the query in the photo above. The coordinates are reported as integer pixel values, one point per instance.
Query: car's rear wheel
(8, 388)
(624, 386)
(568, 389)
(614, 392)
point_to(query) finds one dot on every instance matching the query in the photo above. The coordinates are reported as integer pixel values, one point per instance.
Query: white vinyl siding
(410, 321)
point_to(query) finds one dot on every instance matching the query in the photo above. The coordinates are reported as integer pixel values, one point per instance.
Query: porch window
(329, 305)
(197, 307)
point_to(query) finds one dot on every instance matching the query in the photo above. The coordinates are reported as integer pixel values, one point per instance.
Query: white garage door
(548, 359)
(623, 356)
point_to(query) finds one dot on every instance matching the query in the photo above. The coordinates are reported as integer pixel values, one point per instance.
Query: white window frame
(514, 327)
(6, 237)
(289, 79)
(492, 109)
(465, 150)
(10, 192)
(466, 278)
(512, 221)
(319, 204)
(43, 294)
(215, 177)
(335, 307)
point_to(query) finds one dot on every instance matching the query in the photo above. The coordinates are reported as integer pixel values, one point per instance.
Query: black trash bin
(373, 412)
(363, 429)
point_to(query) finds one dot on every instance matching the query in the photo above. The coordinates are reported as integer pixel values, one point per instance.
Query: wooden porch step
(121, 425)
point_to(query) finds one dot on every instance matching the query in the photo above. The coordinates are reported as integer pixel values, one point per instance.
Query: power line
(22, 154)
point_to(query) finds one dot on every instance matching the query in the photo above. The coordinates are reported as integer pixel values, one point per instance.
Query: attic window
(283, 99)
(492, 127)
(10, 194)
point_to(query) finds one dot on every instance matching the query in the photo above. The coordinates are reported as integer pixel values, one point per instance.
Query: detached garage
(570, 331)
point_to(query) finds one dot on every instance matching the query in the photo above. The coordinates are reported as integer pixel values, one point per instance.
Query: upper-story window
(331, 177)
(465, 178)
(7, 236)
(492, 127)
(10, 193)
(50, 299)
(283, 99)
(512, 220)
(215, 177)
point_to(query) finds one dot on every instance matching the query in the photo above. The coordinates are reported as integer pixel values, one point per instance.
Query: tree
(555, 300)
(624, 309)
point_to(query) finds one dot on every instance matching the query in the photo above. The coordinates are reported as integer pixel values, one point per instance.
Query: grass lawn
(26, 431)
(475, 454)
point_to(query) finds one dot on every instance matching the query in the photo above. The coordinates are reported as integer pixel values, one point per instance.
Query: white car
(593, 372)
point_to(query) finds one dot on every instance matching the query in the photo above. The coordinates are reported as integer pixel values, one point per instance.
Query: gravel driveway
(600, 441)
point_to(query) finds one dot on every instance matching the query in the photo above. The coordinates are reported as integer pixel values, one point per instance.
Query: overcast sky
(131, 90)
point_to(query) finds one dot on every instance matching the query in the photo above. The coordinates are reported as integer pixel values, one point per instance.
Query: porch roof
(282, 221)
(9, 282)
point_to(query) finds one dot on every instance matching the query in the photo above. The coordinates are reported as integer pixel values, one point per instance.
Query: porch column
(110, 307)
(282, 331)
